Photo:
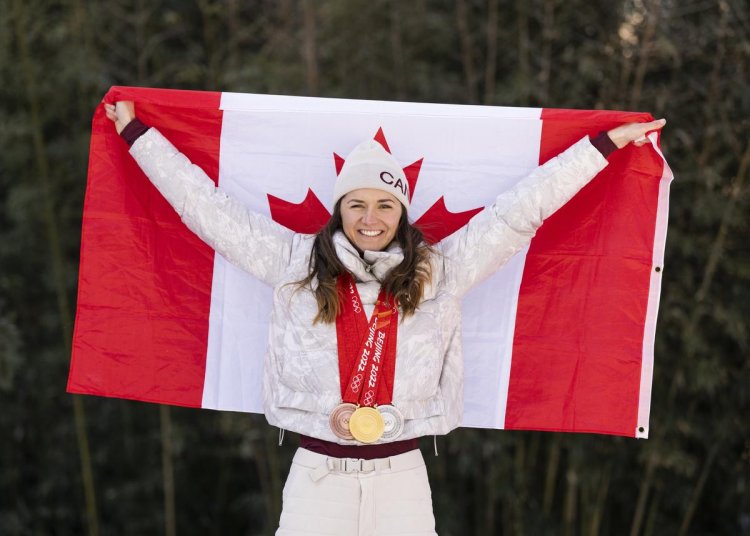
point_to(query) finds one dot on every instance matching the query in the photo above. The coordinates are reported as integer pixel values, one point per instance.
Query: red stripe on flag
(144, 288)
(585, 286)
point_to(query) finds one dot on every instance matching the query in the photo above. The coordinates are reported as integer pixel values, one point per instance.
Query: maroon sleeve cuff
(604, 144)
(133, 130)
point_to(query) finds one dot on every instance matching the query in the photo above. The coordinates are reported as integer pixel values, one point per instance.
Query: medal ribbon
(367, 350)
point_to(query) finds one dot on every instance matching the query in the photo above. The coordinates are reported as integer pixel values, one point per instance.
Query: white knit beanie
(369, 165)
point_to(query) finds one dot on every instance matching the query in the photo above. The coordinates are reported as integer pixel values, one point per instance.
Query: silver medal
(393, 420)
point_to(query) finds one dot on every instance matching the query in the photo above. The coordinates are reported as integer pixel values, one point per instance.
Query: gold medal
(339, 420)
(366, 425)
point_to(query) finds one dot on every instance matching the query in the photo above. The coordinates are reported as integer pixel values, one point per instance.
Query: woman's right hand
(120, 113)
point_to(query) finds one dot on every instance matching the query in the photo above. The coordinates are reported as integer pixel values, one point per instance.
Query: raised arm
(249, 240)
(508, 225)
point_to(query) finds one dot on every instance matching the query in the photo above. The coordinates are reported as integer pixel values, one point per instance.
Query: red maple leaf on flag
(310, 215)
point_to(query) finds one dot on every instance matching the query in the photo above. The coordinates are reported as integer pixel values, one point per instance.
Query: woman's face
(370, 218)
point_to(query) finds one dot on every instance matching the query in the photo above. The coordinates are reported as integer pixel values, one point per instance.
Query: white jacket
(301, 377)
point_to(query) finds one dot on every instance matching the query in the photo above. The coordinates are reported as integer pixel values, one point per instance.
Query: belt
(349, 465)
(322, 465)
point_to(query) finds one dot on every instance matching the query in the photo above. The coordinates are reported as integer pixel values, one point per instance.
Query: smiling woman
(352, 301)
(375, 194)
(370, 218)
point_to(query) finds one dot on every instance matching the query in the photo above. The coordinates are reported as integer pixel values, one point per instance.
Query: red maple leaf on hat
(310, 215)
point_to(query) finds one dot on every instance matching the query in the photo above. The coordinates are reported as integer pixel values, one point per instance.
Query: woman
(364, 352)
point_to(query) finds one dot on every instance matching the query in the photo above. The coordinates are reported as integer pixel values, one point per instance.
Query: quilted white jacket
(301, 377)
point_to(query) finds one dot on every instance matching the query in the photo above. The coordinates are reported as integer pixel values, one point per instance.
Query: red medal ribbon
(367, 350)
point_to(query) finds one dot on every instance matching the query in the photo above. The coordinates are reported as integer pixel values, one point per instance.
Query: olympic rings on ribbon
(368, 398)
(356, 383)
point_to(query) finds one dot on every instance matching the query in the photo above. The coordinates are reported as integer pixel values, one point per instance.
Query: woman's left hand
(634, 132)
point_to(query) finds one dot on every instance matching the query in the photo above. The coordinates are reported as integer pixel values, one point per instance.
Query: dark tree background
(78, 465)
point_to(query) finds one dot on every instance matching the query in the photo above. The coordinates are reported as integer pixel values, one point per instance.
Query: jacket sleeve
(493, 236)
(249, 240)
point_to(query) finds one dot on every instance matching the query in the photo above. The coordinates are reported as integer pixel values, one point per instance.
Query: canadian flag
(560, 339)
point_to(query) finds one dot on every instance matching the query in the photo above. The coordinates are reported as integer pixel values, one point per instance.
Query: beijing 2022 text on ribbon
(560, 339)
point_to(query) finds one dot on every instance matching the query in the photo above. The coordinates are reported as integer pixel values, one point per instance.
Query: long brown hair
(406, 281)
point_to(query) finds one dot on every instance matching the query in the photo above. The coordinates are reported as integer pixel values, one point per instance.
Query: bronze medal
(393, 421)
(366, 425)
(339, 420)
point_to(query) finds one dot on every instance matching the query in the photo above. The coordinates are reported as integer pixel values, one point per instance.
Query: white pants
(387, 496)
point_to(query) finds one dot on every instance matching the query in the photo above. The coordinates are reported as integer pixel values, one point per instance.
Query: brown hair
(406, 281)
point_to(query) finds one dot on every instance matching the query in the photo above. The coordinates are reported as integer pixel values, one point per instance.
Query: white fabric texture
(381, 502)
(301, 379)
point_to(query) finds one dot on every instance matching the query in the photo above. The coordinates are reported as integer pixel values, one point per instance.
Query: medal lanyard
(367, 350)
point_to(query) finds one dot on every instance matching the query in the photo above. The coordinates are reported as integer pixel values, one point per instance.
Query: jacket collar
(374, 266)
